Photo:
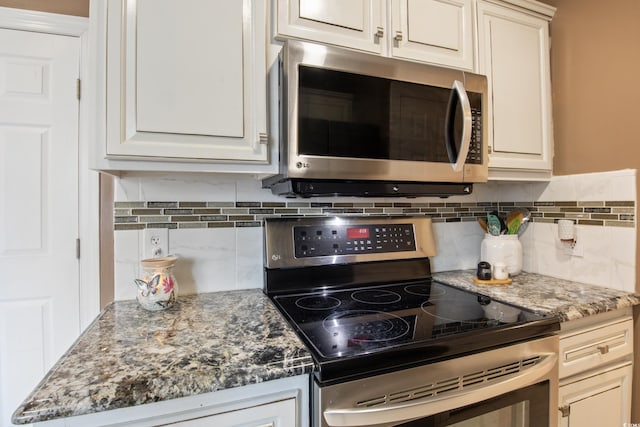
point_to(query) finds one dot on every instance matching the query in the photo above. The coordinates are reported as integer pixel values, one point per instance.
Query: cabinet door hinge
(78, 88)
(78, 248)
(565, 410)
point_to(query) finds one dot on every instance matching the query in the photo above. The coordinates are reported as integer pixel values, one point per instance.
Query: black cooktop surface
(404, 323)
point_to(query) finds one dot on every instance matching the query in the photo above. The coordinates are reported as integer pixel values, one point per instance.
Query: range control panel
(343, 239)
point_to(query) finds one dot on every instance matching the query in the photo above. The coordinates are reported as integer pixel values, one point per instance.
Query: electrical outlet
(156, 242)
(577, 250)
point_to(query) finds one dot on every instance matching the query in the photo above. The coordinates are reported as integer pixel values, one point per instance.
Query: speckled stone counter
(129, 356)
(566, 299)
(217, 341)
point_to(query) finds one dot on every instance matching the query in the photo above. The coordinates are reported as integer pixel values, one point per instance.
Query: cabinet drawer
(592, 347)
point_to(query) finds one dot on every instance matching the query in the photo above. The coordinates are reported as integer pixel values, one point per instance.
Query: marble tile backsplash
(215, 226)
(138, 215)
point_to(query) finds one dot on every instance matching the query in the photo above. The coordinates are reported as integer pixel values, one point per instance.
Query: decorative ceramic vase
(505, 248)
(158, 287)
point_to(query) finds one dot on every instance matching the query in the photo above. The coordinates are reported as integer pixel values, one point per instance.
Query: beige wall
(594, 69)
(65, 7)
(595, 62)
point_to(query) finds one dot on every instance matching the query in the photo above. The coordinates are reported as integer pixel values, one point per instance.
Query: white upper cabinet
(353, 23)
(513, 51)
(187, 59)
(183, 81)
(434, 31)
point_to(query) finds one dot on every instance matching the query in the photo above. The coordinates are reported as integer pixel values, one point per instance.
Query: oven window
(527, 407)
(348, 115)
(515, 415)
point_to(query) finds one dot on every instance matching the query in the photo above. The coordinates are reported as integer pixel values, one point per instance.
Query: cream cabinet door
(603, 399)
(435, 31)
(186, 80)
(276, 414)
(514, 54)
(358, 24)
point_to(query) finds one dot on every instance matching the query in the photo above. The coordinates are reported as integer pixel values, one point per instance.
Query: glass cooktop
(352, 322)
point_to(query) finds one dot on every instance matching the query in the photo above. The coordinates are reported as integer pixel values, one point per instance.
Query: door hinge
(78, 88)
(77, 248)
(565, 410)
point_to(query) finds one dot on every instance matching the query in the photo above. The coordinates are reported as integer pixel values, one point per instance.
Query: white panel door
(436, 31)
(277, 414)
(514, 54)
(516, 76)
(181, 85)
(39, 291)
(186, 80)
(602, 400)
(358, 24)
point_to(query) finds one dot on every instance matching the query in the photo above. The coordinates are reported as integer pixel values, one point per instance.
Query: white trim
(43, 22)
(544, 10)
(88, 188)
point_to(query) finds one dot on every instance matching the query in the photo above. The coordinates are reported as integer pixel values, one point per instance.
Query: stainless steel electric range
(391, 346)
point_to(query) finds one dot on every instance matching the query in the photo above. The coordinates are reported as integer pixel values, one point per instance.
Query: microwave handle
(458, 94)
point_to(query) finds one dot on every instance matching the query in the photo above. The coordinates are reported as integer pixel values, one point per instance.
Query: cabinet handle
(565, 411)
(263, 138)
(379, 33)
(603, 349)
(398, 36)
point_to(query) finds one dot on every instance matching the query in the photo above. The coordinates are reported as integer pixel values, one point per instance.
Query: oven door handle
(420, 408)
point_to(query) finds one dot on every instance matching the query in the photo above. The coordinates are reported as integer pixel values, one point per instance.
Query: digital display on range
(332, 240)
(358, 233)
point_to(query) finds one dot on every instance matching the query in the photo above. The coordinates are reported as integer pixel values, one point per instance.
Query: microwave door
(458, 156)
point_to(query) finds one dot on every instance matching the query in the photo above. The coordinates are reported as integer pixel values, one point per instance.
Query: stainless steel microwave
(358, 124)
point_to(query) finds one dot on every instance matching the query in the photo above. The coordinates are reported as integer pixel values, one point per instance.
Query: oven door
(527, 407)
(509, 386)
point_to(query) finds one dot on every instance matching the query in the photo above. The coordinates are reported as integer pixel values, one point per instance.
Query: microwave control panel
(331, 240)
(474, 156)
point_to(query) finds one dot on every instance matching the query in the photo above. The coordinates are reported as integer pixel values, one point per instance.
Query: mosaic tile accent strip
(176, 215)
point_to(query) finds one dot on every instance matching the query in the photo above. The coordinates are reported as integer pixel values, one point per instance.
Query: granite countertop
(129, 356)
(208, 342)
(563, 298)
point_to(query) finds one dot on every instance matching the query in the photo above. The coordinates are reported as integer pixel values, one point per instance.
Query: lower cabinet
(277, 403)
(603, 399)
(596, 370)
(276, 414)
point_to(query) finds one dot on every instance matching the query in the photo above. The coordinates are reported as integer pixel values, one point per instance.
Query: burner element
(376, 296)
(365, 326)
(453, 311)
(425, 290)
(318, 302)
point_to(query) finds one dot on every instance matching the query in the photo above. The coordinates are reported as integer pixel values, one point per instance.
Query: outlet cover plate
(577, 250)
(155, 242)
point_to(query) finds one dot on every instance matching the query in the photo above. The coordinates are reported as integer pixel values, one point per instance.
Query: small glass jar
(505, 248)
(157, 290)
